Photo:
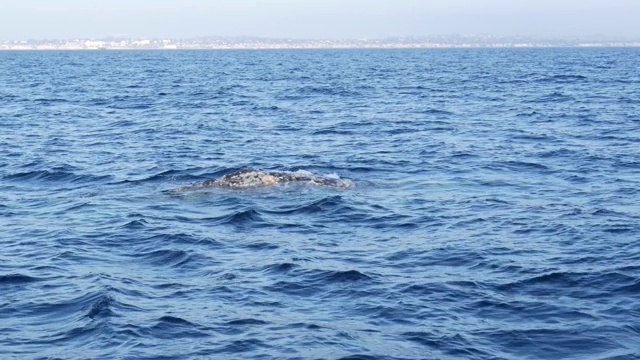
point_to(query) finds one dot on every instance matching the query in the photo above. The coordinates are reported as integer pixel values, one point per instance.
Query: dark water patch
(173, 320)
(50, 101)
(576, 179)
(564, 78)
(170, 258)
(633, 289)
(261, 245)
(299, 325)
(138, 224)
(630, 101)
(563, 152)
(362, 357)
(611, 214)
(242, 346)
(172, 327)
(346, 276)
(77, 207)
(398, 131)
(101, 307)
(534, 138)
(436, 112)
(435, 289)
(280, 268)
(530, 114)
(463, 155)
(91, 305)
(130, 103)
(16, 279)
(242, 103)
(272, 108)
(442, 257)
(246, 322)
(554, 97)
(332, 131)
(122, 124)
(97, 102)
(635, 165)
(546, 229)
(620, 229)
(293, 288)
(521, 166)
(181, 238)
(328, 277)
(80, 334)
(305, 92)
(49, 269)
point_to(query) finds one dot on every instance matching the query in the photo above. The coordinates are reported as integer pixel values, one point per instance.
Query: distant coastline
(451, 41)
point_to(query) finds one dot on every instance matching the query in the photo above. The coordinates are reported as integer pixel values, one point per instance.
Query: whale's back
(251, 178)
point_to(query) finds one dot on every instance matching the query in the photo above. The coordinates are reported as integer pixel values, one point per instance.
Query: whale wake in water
(251, 178)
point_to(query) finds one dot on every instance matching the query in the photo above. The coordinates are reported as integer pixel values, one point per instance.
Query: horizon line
(256, 43)
(592, 37)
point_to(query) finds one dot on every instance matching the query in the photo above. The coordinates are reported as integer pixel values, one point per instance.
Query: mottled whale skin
(252, 178)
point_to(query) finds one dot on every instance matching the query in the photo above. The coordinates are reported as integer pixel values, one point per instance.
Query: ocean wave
(249, 217)
(135, 224)
(58, 174)
(172, 258)
(173, 327)
(17, 279)
(324, 204)
(572, 284)
(343, 276)
(494, 214)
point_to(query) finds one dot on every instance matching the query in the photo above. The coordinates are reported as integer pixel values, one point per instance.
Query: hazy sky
(49, 19)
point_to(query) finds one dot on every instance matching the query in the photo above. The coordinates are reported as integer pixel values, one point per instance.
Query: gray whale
(251, 178)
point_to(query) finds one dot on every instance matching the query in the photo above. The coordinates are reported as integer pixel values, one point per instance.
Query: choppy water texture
(495, 212)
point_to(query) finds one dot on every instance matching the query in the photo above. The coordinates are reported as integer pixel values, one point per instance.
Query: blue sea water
(495, 212)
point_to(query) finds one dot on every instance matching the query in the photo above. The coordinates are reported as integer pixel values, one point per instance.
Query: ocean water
(495, 212)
